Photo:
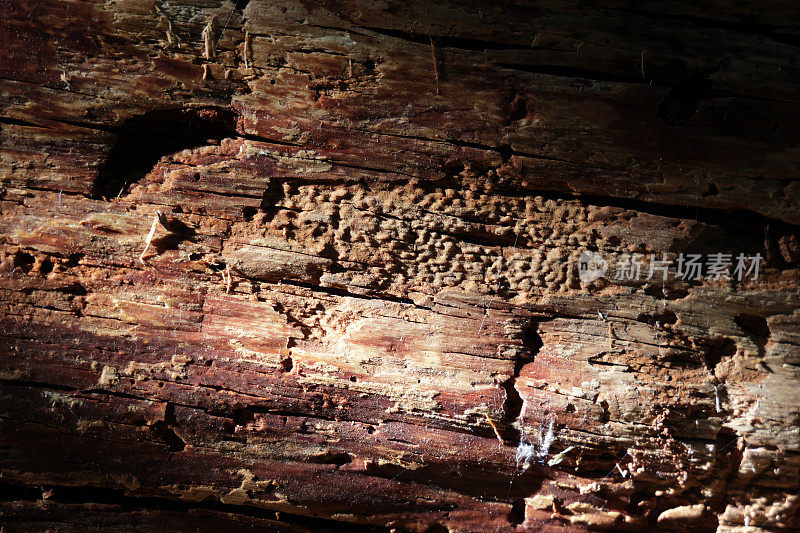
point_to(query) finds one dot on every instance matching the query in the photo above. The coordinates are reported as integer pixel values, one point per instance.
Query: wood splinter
(642, 65)
(247, 50)
(159, 218)
(172, 38)
(208, 39)
(227, 278)
(435, 64)
(494, 427)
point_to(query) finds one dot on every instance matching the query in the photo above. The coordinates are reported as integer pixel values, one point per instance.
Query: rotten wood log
(311, 266)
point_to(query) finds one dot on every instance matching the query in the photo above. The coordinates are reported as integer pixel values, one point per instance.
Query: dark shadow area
(682, 100)
(144, 139)
(239, 514)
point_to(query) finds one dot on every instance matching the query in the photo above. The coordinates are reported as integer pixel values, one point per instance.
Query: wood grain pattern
(361, 300)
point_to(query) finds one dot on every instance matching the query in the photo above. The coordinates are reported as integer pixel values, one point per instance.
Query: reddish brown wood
(359, 305)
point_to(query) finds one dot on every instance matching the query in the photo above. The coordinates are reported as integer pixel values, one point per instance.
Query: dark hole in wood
(24, 261)
(711, 191)
(665, 317)
(144, 139)
(517, 514)
(249, 213)
(716, 349)
(682, 101)
(168, 435)
(46, 266)
(518, 109)
(753, 325)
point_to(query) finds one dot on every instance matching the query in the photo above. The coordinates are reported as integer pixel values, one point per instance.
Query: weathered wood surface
(372, 218)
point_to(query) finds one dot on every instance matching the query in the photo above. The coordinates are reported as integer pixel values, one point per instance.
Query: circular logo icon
(591, 266)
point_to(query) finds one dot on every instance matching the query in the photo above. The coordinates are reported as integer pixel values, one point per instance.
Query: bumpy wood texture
(360, 302)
